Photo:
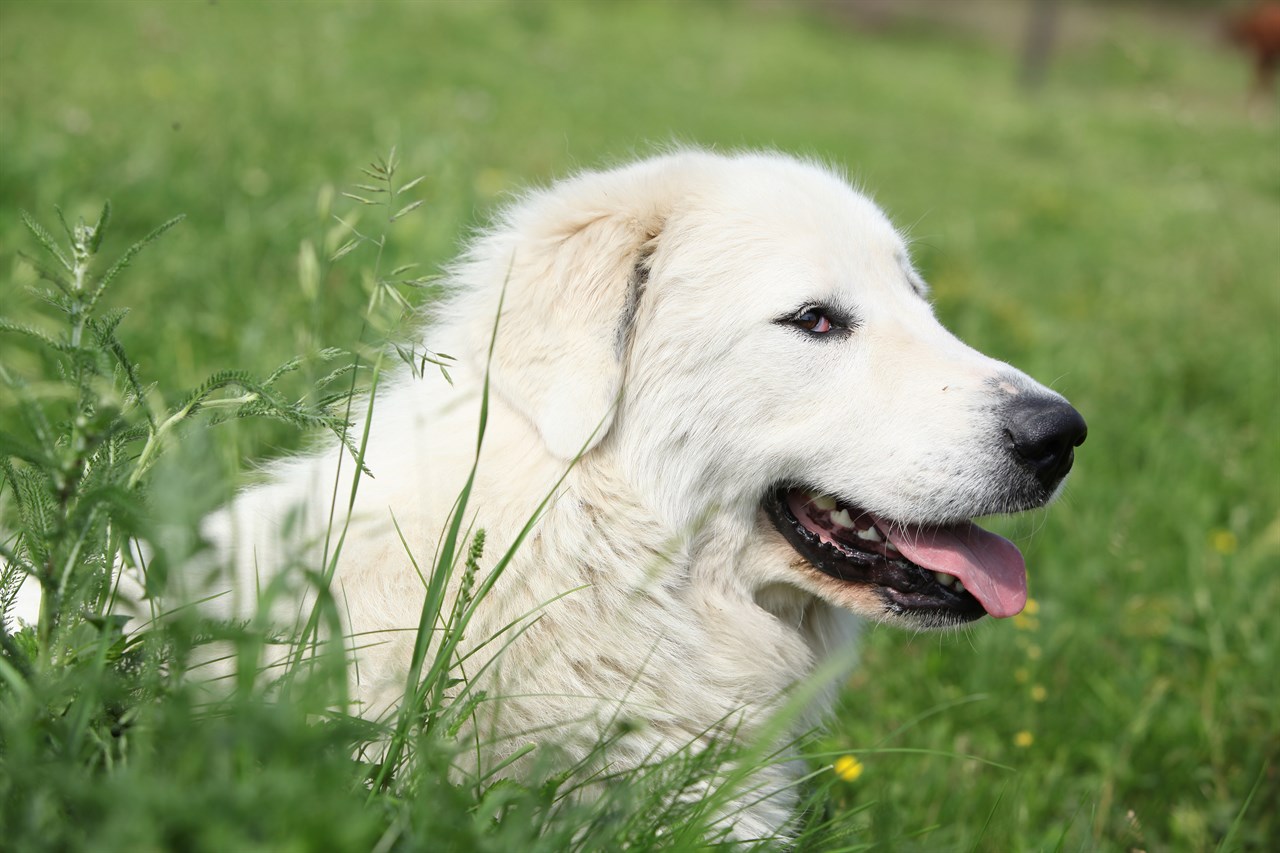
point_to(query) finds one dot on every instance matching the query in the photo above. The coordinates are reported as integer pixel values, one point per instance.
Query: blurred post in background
(1042, 27)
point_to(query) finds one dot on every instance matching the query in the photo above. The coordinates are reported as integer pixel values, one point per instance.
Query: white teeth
(959, 587)
(944, 579)
(889, 546)
(871, 535)
(825, 502)
(842, 519)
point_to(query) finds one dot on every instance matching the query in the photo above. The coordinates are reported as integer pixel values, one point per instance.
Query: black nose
(1044, 432)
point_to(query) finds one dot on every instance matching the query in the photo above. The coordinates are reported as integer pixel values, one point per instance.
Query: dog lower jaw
(907, 593)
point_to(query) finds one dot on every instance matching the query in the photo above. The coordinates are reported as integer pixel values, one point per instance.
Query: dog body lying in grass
(725, 374)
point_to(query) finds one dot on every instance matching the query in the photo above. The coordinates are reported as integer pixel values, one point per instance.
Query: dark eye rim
(840, 323)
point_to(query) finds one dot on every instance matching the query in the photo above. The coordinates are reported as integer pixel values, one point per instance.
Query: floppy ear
(573, 262)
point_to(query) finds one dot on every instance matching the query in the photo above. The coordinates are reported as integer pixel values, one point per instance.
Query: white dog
(773, 435)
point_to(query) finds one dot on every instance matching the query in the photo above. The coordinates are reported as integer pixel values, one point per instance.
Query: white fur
(690, 609)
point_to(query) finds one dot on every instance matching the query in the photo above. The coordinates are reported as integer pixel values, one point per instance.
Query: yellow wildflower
(1223, 541)
(848, 768)
(1032, 608)
(1021, 675)
(1033, 652)
(1023, 739)
(1038, 693)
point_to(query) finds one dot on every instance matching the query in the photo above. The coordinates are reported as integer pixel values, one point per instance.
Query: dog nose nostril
(1043, 433)
(1047, 456)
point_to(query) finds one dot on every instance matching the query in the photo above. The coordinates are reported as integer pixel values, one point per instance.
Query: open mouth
(958, 572)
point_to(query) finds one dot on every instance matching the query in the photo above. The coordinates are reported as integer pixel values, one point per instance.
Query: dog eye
(813, 320)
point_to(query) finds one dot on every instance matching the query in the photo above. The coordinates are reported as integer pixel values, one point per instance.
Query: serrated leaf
(337, 373)
(53, 298)
(127, 257)
(100, 227)
(219, 380)
(27, 331)
(46, 239)
(329, 401)
(462, 715)
(112, 344)
(108, 323)
(36, 510)
(288, 367)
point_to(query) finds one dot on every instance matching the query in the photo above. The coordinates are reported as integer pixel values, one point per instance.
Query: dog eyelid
(817, 320)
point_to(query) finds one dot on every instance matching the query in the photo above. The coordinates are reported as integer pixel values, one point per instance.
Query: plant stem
(154, 440)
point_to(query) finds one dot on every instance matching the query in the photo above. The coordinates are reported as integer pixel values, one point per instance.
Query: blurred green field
(1117, 235)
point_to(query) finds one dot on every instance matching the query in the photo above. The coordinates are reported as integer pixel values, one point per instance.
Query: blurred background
(1092, 189)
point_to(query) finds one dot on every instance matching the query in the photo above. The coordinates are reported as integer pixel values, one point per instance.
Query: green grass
(1117, 236)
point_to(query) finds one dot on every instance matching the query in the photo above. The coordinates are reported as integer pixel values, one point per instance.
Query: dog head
(746, 336)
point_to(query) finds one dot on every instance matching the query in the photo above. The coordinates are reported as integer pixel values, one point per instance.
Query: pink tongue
(990, 566)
